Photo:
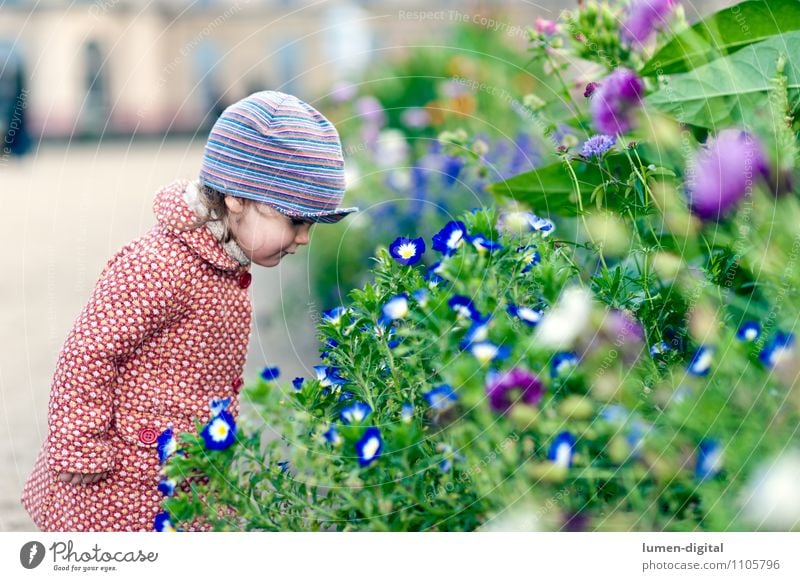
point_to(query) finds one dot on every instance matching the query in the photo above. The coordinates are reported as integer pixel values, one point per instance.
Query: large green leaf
(731, 90)
(724, 33)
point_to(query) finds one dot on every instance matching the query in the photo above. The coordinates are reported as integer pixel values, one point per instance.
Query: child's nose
(302, 236)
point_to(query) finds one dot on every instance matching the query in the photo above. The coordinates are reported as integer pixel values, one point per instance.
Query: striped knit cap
(274, 148)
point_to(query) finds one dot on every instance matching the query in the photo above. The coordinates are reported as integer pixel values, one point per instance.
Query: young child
(167, 326)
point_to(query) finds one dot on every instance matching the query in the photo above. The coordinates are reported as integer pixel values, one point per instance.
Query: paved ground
(68, 209)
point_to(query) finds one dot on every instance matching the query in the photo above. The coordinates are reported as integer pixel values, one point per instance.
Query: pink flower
(546, 27)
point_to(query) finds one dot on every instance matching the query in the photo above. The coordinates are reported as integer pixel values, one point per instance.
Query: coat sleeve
(135, 297)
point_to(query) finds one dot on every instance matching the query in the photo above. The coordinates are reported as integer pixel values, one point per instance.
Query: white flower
(392, 148)
(772, 497)
(562, 324)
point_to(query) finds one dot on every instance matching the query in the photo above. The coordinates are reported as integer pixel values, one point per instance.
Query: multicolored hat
(274, 148)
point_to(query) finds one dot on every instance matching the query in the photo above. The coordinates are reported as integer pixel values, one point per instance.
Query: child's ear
(234, 204)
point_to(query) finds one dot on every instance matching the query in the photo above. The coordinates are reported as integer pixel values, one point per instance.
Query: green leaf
(550, 190)
(731, 90)
(724, 33)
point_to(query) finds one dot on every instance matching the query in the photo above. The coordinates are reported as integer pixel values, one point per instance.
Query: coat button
(147, 435)
(244, 279)
(237, 384)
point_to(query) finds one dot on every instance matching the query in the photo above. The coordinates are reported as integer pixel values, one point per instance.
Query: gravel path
(69, 208)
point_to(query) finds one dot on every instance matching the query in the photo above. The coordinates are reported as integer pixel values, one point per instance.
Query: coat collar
(174, 213)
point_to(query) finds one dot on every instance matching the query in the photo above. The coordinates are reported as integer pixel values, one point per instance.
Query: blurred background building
(107, 67)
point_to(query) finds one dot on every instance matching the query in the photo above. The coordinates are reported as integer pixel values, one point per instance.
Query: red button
(244, 279)
(237, 384)
(147, 435)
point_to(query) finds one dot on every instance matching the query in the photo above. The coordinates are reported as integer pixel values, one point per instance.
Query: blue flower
(542, 225)
(441, 398)
(464, 307)
(778, 348)
(562, 362)
(562, 449)
(700, 365)
(284, 465)
(618, 416)
(163, 523)
(486, 351)
(220, 432)
(421, 295)
(407, 251)
(478, 331)
(709, 459)
(659, 348)
(345, 396)
(167, 444)
(597, 145)
(530, 256)
(369, 446)
(396, 307)
(329, 377)
(355, 413)
(750, 331)
(334, 315)
(270, 373)
(218, 405)
(332, 436)
(407, 412)
(432, 274)
(483, 244)
(527, 315)
(450, 238)
(167, 486)
(449, 455)
(297, 383)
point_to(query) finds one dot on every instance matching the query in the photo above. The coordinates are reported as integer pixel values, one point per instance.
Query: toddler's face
(264, 234)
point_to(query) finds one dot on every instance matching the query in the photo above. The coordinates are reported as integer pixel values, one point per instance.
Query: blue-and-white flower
(368, 448)
(780, 347)
(220, 432)
(700, 365)
(270, 373)
(562, 363)
(441, 398)
(659, 349)
(334, 315)
(542, 225)
(355, 413)
(396, 307)
(527, 315)
(329, 377)
(407, 412)
(163, 523)
(407, 251)
(486, 351)
(449, 455)
(482, 244)
(432, 274)
(167, 486)
(167, 444)
(421, 295)
(217, 405)
(332, 436)
(750, 331)
(709, 459)
(530, 256)
(463, 307)
(297, 383)
(562, 449)
(478, 331)
(450, 238)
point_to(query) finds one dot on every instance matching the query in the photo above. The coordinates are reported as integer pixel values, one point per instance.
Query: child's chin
(270, 261)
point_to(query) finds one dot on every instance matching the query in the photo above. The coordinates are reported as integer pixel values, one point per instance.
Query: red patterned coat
(165, 329)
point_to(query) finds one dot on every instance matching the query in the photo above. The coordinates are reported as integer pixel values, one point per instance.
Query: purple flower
(614, 101)
(590, 89)
(407, 251)
(644, 18)
(371, 110)
(597, 145)
(723, 173)
(416, 118)
(499, 387)
(343, 91)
